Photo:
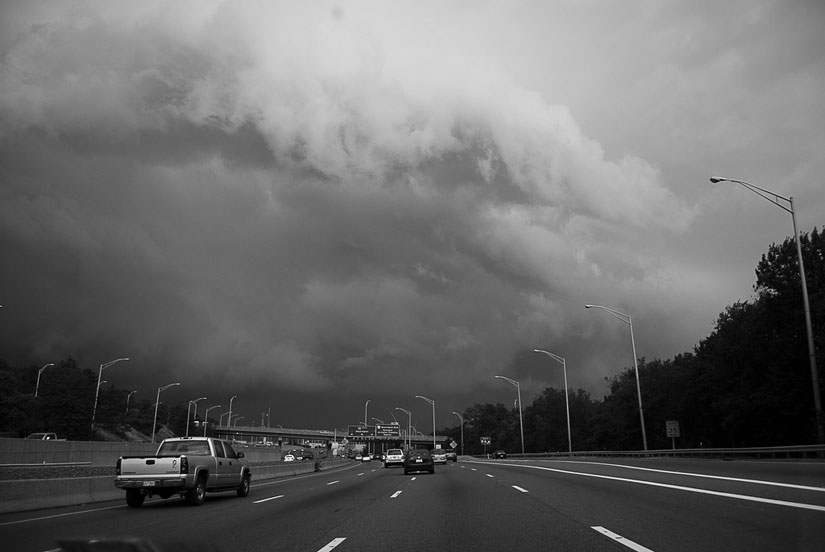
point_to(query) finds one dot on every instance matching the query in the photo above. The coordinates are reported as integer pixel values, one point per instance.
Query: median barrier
(34, 494)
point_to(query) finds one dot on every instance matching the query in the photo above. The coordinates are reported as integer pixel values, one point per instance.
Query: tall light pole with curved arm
(460, 417)
(432, 402)
(365, 412)
(188, 406)
(157, 402)
(37, 387)
(206, 417)
(627, 320)
(129, 396)
(409, 426)
(229, 419)
(520, 420)
(97, 391)
(776, 199)
(557, 358)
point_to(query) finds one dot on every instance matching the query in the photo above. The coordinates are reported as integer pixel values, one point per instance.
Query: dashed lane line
(396, 494)
(516, 487)
(620, 539)
(268, 499)
(332, 544)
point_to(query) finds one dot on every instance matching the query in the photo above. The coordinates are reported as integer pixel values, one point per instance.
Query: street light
(365, 412)
(432, 402)
(409, 426)
(520, 420)
(37, 387)
(229, 419)
(129, 396)
(775, 199)
(627, 320)
(206, 417)
(236, 420)
(557, 358)
(195, 402)
(460, 417)
(157, 402)
(220, 419)
(97, 391)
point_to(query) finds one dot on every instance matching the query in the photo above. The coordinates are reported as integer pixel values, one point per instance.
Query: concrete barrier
(35, 494)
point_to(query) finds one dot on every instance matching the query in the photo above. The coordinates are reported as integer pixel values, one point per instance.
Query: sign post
(485, 441)
(672, 429)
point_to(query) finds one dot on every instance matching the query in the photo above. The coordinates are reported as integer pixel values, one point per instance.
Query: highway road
(661, 505)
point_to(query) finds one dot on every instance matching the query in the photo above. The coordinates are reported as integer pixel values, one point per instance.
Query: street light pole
(229, 419)
(520, 420)
(460, 417)
(432, 402)
(97, 391)
(409, 426)
(188, 406)
(37, 387)
(775, 199)
(365, 412)
(206, 417)
(557, 358)
(627, 320)
(157, 402)
(129, 396)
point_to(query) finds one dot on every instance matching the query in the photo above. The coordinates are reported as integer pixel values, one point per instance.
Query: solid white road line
(516, 487)
(705, 476)
(332, 544)
(799, 505)
(267, 499)
(620, 539)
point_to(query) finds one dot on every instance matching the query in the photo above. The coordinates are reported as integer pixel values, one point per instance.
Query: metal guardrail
(794, 451)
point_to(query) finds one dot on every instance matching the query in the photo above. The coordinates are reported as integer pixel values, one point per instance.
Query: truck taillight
(184, 464)
(117, 468)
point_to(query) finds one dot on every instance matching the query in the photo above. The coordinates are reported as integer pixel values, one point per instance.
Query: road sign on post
(672, 430)
(485, 441)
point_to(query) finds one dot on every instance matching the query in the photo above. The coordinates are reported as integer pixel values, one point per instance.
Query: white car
(289, 458)
(439, 456)
(366, 457)
(394, 457)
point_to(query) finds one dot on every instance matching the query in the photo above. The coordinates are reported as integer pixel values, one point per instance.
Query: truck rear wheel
(196, 495)
(134, 498)
(243, 489)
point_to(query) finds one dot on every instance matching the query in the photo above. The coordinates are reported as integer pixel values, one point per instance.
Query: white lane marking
(267, 499)
(359, 474)
(412, 478)
(332, 544)
(800, 505)
(489, 475)
(516, 487)
(395, 494)
(620, 539)
(61, 515)
(702, 475)
(333, 482)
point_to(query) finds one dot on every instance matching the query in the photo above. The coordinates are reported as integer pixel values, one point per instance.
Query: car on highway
(451, 455)
(418, 460)
(499, 454)
(289, 457)
(366, 457)
(439, 456)
(394, 457)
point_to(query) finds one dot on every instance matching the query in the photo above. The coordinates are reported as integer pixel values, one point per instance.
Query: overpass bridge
(375, 438)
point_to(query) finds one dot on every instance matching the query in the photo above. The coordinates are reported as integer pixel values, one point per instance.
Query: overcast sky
(308, 205)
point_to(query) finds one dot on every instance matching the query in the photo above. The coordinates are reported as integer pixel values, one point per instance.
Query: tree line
(747, 384)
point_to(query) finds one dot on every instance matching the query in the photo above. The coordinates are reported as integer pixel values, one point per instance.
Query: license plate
(148, 483)
(418, 460)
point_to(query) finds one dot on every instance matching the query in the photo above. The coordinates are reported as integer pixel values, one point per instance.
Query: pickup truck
(186, 466)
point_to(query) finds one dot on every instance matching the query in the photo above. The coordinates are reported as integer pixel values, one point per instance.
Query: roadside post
(672, 429)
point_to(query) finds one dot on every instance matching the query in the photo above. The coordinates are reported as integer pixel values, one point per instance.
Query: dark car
(418, 460)
(499, 454)
(451, 455)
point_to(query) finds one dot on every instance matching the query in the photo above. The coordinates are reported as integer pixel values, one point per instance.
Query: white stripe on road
(490, 475)
(267, 499)
(620, 539)
(395, 494)
(679, 488)
(332, 544)
(333, 482)
(516, 487)
(706, 476)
